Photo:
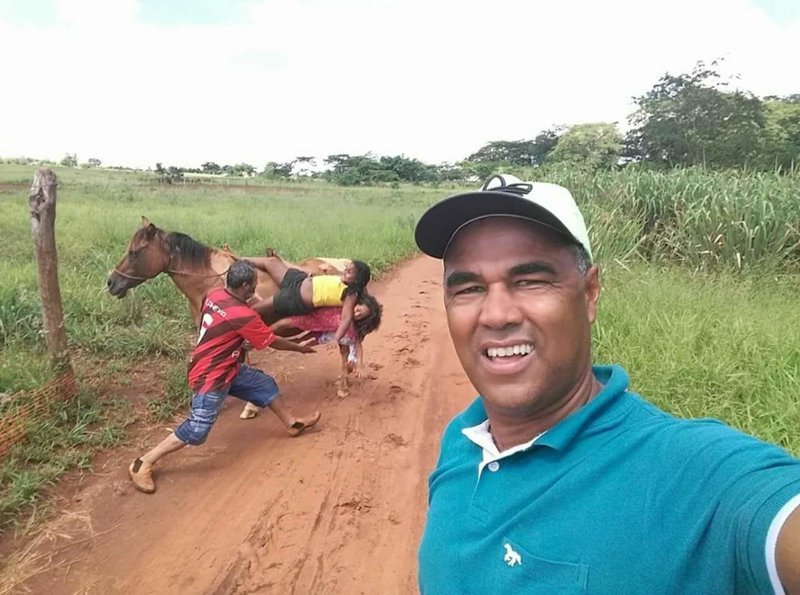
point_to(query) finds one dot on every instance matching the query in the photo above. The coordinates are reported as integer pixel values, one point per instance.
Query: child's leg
(266, 309)
(344, 384)
(274, 266)
(284, 328)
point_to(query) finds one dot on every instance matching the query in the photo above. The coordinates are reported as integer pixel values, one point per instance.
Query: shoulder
(704, 452)
(471, 416)
(217, 293)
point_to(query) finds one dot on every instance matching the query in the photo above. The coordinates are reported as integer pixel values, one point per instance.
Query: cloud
(433, 80)
(97, 13)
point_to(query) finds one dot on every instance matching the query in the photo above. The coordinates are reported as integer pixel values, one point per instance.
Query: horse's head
(147, 255)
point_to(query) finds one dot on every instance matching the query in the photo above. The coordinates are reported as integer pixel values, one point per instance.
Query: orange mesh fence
(21, 410)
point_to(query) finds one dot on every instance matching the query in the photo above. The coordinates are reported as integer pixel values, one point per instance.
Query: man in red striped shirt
(228, 328)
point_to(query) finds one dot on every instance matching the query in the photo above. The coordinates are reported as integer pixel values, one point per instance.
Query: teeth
(522, 349)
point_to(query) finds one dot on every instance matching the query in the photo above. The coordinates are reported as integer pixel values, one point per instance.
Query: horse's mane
(190, 250)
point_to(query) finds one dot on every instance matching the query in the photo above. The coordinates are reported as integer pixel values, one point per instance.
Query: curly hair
(372, 321)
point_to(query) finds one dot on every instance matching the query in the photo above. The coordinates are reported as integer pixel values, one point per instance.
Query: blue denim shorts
(250, 384)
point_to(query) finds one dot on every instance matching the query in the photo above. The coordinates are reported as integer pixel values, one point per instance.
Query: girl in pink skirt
(321, 324)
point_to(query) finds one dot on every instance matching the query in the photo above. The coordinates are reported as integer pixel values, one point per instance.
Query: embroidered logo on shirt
(511, 558)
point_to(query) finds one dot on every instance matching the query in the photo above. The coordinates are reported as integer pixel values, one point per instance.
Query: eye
(468, 290)
(134, 253)
(528, 282)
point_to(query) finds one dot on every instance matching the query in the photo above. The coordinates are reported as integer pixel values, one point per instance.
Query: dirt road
(338, 510)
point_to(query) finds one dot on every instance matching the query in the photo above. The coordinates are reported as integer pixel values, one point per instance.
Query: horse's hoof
(249, 412)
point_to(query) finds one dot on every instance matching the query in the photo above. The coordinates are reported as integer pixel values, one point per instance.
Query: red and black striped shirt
(225, 323)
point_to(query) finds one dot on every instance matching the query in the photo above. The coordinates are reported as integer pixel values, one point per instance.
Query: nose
(499, 309)
(109, 282)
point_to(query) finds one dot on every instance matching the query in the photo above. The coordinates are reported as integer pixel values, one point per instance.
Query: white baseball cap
(550, 205)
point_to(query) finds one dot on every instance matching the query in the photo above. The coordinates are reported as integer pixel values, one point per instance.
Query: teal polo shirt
(618, 497)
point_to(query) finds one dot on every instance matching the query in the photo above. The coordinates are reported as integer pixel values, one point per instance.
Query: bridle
(169, 271)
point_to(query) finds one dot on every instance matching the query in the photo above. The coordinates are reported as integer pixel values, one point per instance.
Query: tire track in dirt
(338, 510)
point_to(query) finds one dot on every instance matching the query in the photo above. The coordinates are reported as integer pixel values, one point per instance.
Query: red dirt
(337, 510)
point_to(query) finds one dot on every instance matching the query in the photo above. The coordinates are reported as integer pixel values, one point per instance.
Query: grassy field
(700, 281)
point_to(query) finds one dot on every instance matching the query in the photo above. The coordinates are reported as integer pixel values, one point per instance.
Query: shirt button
(493, 466)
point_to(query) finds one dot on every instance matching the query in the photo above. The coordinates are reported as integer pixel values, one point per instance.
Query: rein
(169, 272)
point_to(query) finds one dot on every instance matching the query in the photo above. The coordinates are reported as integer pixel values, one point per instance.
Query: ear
(145, 221)
(592, 292)
(150, 232)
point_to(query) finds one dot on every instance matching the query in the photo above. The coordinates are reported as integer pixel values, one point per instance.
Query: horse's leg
(282, 328)
(344, 385)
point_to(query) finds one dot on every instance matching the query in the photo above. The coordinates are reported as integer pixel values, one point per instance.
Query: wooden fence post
(42, 207)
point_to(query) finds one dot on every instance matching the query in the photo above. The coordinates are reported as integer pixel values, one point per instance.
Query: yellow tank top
(326, 290)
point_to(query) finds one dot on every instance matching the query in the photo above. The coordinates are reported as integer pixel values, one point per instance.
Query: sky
(182, 82)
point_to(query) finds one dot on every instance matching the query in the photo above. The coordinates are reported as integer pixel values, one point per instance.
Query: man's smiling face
(519, 312)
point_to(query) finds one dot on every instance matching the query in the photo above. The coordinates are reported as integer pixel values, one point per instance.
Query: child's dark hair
(372, 321)
(362, 277)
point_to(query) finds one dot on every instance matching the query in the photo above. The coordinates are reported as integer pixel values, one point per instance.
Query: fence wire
(19, 412)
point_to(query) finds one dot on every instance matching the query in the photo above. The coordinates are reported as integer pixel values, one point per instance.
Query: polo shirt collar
(607, 404)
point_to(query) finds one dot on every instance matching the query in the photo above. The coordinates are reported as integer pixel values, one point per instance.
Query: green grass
(64, 438)
(700, 282)
(707, 346)
(96, 219)
(175, 395)
(704, 220)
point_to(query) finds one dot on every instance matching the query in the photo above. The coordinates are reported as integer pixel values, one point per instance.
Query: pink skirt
(325, 319)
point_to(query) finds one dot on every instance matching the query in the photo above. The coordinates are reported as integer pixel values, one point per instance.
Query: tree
(544, 143)
(273, 169)
(93, 162)
(479, 170)
(513, 152)
(209, 167)
(521, 153)
(782, 149)
(337, 162)
(689, 119)
(596, 145)
(243, 169)
(169, 175)
(303, 165)
(69, 160)
(406, 170)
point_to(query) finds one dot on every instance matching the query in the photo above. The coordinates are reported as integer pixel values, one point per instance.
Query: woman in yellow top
(299, 293)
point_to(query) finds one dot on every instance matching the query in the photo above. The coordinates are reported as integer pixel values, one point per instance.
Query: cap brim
(439, 223)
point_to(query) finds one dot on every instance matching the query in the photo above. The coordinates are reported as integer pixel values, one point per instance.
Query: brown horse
(196, 269)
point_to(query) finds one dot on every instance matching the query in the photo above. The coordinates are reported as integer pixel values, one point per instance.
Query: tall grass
(724, 347)
(702, 219)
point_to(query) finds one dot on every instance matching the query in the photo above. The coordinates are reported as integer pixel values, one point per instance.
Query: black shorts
(288, 301)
